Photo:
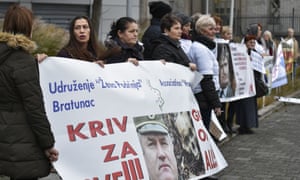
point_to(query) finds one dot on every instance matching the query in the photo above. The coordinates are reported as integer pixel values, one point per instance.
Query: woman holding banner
(83, 43)
(201, 53)
(246, 113)
(167, 46)
(123, 38)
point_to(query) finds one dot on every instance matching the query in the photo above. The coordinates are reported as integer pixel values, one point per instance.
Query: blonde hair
(203, 22)
(269, 34)
(226, 29)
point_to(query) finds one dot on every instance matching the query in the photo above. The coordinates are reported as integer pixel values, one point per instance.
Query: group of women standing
(21, 97)
(122, 44)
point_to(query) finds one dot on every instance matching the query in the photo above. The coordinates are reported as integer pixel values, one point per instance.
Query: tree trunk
(96, 15)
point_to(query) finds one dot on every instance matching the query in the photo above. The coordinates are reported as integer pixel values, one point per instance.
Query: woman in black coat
(167, 46)
(26, 140)
(123, 41)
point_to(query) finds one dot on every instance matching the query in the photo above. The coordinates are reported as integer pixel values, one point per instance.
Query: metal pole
(231, 14)
(91, 8)
(128, 8)
(293, 19)
(294, 60)
(206, 6)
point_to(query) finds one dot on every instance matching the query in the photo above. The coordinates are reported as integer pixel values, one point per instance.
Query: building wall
(52, 11)
(260, 11)
(112, 10)
(61, 12)
(246, 12)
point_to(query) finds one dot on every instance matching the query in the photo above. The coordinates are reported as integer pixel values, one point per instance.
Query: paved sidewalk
(272, 152)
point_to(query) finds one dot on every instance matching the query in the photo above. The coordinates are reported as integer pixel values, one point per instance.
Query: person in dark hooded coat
(26, 140)
(167, 47)
(157, 9)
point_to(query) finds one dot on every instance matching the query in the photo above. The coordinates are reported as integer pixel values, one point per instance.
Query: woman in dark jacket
(167, 46)
(26, 140)
(123, 40)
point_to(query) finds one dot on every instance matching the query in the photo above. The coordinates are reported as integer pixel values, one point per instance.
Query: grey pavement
(272, 152)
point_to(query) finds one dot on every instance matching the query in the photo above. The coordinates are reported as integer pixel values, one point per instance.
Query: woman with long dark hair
(83, 42)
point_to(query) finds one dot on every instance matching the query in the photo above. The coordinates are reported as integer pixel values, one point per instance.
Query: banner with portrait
(127, 122)
(235, 72)
(279, 75)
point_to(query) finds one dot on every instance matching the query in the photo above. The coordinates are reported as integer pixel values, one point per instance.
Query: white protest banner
(242, 81)
(288, 54)
(215, 128)
(98, 119)
(269, 63)
(279, 70)
(257, 62)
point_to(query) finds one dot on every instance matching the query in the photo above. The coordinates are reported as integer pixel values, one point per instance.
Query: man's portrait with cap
(157, 146)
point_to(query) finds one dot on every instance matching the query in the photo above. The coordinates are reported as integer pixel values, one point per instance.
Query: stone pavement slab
(271, 153)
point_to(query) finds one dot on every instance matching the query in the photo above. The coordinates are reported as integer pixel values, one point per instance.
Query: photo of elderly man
(157, 146)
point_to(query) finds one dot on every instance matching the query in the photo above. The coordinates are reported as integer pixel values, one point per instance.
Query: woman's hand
(100, 62)
(52, 154)
(163, 61)
(193, 66)
(133, 61)
(218, 111)
(40, 57)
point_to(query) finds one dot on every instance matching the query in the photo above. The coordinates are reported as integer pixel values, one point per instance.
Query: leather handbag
(261, 87)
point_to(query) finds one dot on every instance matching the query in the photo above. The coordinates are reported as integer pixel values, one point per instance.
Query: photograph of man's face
(226, 74)
(157, 146)
(170, 146)
(159, 156)
(224, 67)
